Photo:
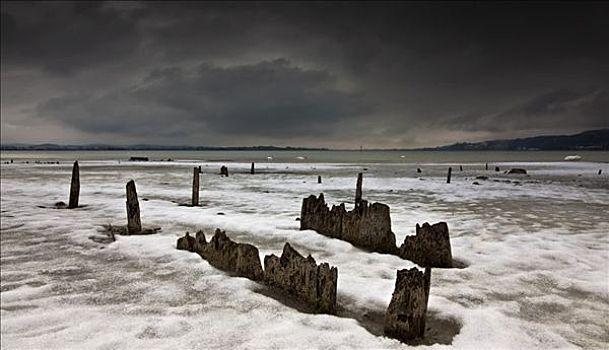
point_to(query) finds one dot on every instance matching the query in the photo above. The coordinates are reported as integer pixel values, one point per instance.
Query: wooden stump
(74, 187)
(252, 171)
(195, 187)
(358, 189)
(134, 224)
(224, 171)
(405, 316)
(319, 179)
(450, 170)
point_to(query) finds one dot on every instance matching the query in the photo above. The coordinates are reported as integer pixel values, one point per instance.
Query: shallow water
(536, 249)
(345, 156)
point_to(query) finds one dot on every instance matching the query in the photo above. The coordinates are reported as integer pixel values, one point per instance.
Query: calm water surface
(316, 156)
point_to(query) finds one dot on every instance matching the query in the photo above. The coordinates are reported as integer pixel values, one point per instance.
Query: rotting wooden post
(319, 179)
(195, 187)
(600, 171)
(450, 170)
(358, 189)
(134, 224)
(224, 171)
(252, 171)
(405, 316)
(460, 167)
(200, 171)
(497, 169)
(74, 187)
(486, 166)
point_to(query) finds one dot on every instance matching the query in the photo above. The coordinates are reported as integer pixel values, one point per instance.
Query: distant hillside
(588, 140)
(102, 147)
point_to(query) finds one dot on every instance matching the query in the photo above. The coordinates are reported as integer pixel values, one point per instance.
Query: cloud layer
(317, 74)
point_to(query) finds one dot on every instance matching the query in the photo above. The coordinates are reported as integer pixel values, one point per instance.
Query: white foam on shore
(537, 255)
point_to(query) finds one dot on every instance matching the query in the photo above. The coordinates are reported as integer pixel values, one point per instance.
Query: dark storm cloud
(265, 99)
(320, 72)
(62, 37)
(586, 108)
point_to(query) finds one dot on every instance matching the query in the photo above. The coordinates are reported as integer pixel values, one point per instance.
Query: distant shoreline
(592, 140)
(279, 149)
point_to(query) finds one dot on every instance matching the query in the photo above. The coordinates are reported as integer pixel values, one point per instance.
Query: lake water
(535, 246)
(317, 156)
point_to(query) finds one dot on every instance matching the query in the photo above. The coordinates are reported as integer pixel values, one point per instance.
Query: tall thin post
(358, 189)
(450, 170)
(195, 187)
(74, 187)
(319, 179)
(134, 224)
(252, 171)
(486, 166)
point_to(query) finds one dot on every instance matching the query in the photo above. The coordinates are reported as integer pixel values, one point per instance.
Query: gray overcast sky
(308, 74)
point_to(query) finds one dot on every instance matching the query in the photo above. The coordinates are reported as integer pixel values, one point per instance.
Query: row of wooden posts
(412, 286)
(75, 184)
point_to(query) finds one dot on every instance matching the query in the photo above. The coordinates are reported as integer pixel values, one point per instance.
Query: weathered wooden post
(405, 316)
(418, 170)
(600, 171)
(74, 187)
(497, 169)
(224, 171)
(134, 224)
(486, 166)
(195, 187)
(358, 189)
(460, 167)
(319, 179)
(450, 170)
(252, 171)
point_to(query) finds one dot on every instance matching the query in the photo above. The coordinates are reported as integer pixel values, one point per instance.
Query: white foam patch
(537, 255)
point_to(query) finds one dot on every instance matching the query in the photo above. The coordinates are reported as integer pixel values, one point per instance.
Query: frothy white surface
(537, 250)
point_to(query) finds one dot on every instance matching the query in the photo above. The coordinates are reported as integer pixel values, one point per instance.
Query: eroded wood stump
(405, 316)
